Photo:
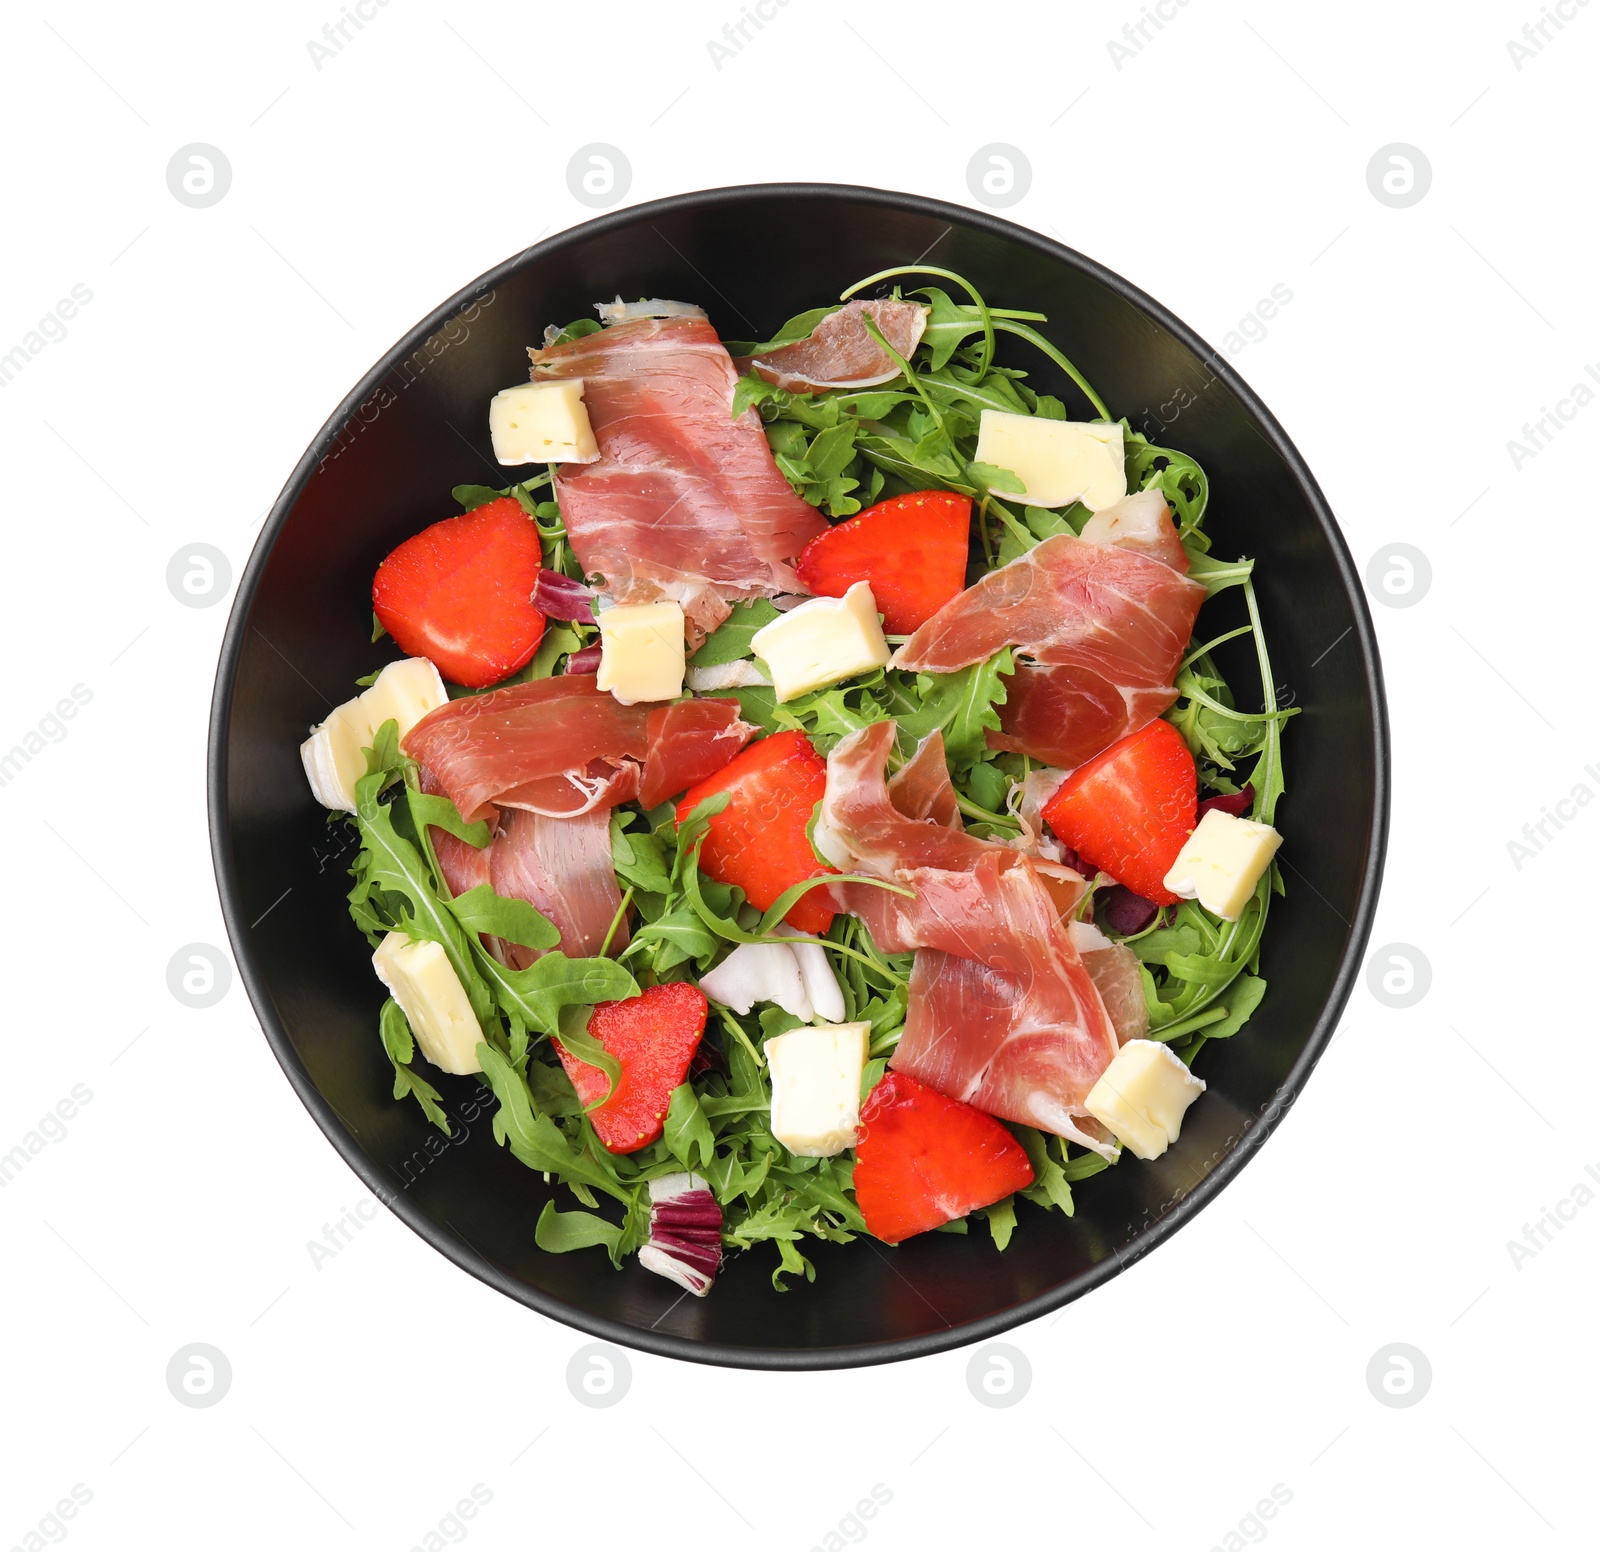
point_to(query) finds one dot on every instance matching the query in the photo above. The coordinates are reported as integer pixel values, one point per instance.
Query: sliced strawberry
(654, 1037)
(1130, 809)
(759, 840)
(924, 1159)
(912, 549)
(459, 592)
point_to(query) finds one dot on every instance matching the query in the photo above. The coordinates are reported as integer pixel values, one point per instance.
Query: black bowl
(383, 467)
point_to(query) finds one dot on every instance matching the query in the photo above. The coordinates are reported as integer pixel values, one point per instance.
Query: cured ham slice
(562, 868)
(685, 501)
(839, 353)
(1002, 1012)
(562, 747)
(1024, 1046)
(958, 880)
(1105, 628)
(921, 788)
(686, 742)
(1114, 969)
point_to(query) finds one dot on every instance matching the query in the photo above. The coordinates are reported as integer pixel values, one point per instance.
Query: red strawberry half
(912, 549)
(653, 1037)
(459, 592)
(924, 1159)
(759, 840)
(1130, 809)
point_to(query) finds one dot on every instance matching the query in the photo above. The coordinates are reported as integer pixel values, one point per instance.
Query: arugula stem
(1187, 1026)
(1005, 821)
(1199, 652)
(1271, 756)
(910, 377)
(616, 921)
(1036, 339)
(1272, 716)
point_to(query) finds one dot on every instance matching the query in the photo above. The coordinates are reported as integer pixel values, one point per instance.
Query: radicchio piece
(1236, 803)
(586, 661)
(560, 598)
(1124, 912)
(685, 1233)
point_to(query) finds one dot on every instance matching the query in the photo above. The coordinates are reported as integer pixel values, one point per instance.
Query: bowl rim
(665, 1344)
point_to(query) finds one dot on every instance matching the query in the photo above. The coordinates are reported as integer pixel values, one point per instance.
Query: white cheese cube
(1142, 1096)
(1058, 461)
(641, 652)
(421, 979)
(1222, 862)
(542, 423)
(822, 641)
(816, 1087)
(406, 691)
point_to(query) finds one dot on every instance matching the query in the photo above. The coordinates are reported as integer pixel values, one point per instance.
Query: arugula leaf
(1244, 997)
(730, 641)
(552, 983)
(472, 497)
(1050, 1187)
(961, 705)
(797, 328)
(638, 859)
(481, 910)
(688, 1134)
(396, 1035)
(1002, 1221)
(559, 1232)
(534, 1138)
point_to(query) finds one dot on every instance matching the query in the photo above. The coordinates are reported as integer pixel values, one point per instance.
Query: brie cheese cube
(822, 641)
(641, 652)
(406, 691)
(1222, 862)
(421, 979)
(1058, 461)
(1142, 1095)
(816, 1087)
(542, 423)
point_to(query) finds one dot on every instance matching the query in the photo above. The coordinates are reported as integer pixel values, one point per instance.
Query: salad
(805, 798)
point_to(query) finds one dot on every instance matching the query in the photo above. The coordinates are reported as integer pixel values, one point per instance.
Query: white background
(1227, 155)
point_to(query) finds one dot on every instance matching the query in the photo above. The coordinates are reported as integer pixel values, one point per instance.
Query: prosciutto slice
(1002, 1012)
(839, 353)
(958, 881)
(561, 747)
(685, 501)
(1104, 626)
(1025, 1046)
(562, 868)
